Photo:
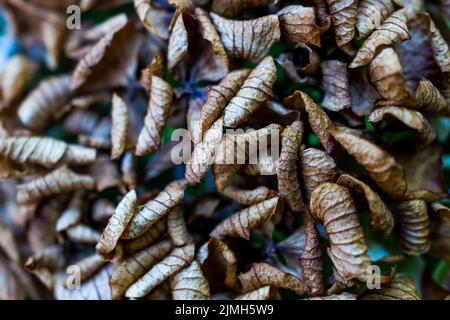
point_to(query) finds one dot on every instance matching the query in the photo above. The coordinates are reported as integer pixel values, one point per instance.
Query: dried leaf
(414, 227)
(440, 232)
(61, 180)
(317, 168)
(8, 244)
(336, 85)
(248, 197)
(135, 266)
(178, 43)
(158, 111)
(428, 99)
(155, 209)
(238, 36)
(175, 261)
(116, 225)
(190, 284)
(109, 63)
(147, 238)
(72, 214)
(333, 206)
(106, 174)
(298, 25)
(45, 264)
(220, 95)
(371, 14)
(413, 119)
(232, 8)
(193, 118)
(204, 154)
(363, 94)
(119, 117)
(176, 227)
(288, 183)
(241, 223)
(393, 30)
(342, 296)
(317, 118)
(82, 233)
(343, 14)
(154, 19)
(401, 288)
(311, 258)
(263, 293)
(382, 167)
(14, 79)
(256, 90)
(382, 219)
(89, 266)
(263, 274)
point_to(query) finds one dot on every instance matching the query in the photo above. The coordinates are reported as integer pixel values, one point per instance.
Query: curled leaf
(288, 183)
(263, 293)
(333, 206)
(119, 118)
(8, 244)
(60, 181)
(317, 167)
(371, 14)
(178, 43)
(382, 219)
(413, 119)
(393, 30)
(429, 100)
(248, 197)
(158, 111)
(263, 274)
(341, 296)
(116, 225)
(336, 85)
(401, 288)
(190, 284)
(177, 259)
(155, 209)
(176, 227)
(414, 227)
(72, 214)
(440, 231)
(238, 36)
(343, 14)
(89, 266)
(82, 233)
(135, 266)
(241, 223)
(45, 264)
(382, 167)
(154, 19)
(147, 238)
(256, 90)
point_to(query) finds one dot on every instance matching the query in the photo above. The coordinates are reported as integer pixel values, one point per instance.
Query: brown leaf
(238, 36)
(190, 284)
(154, 19)
(401, 288)
(343, 14)
(263, 293)
(248, 197)
(220, 95)
(298, 25)
(371, 14)
(176, 227)
(317, 168)
(219, 265)
(8, 244)
(265, 166)
(61, 180)
(155, 232)
(155, 68)
(209, 66)
(241, 223)
(175, 261)
(178, 43)
(72, 214)
(119, 118)
(333, 206)
(413, 119)
(256, 90)
(342, 296)
(336, 85)
(45, 264)
(111, 62)
(135, 266)
(158, 111)
(204, 154)
(393, 30)
(89, 266)
(82, 233)
(440, 232)
(428, 99)
(106, 174)
(382, 219)
(232, 8)
(263, 274)
(155, 209)
(317, 118)
(414, 227)
(363, 94)
(311, 258)
(43, 151)
(210, 34)
(193, 118)
(14, 79)
(288, 183)
(382, 167)
(116, 225)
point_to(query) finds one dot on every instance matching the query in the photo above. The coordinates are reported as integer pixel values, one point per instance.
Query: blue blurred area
(8, 44)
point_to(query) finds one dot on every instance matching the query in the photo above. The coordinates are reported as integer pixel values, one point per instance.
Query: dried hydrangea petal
(178, 43)
(401, 288)
(343, 14)
(176, 227)
(336, 85)
(263, 293)
(152, 234)
(248, 197)
(371, 14)
(190, 284)
(119, 118)
(232, 8)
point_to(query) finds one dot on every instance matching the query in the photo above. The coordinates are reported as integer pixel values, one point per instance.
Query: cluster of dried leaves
(89, 191)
